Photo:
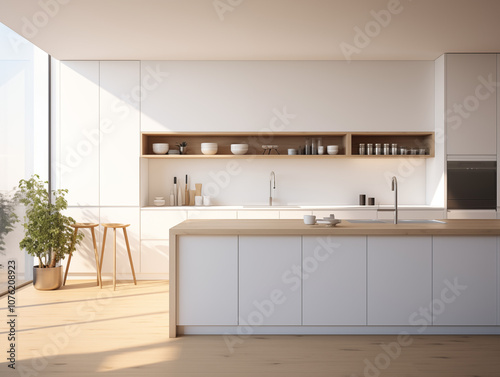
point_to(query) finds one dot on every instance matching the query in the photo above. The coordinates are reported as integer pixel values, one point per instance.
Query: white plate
(331, 222)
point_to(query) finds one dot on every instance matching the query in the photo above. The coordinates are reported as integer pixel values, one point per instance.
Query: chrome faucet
(395, 189)
(272, 186)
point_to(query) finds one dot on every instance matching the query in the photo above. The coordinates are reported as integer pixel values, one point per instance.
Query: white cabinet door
(256, 214)
(119, 133)
(208, 214)
(465, 280)
(334, 280)
(399, 278)
(78, 153)
(270, 280)
(155, 257)
(295, 214)
(155, 223)
(471, 104)
(208, 280)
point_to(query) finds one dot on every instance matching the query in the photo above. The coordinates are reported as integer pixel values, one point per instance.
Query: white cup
(206, 200)
(321, 149)
(198, 200)
(309, 219)
(292, 151)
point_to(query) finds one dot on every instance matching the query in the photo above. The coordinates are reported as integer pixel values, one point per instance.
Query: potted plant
(182, 147)
(48, 235)
(7, 218)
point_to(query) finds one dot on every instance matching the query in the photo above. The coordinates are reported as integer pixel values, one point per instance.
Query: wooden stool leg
(99, 280)
(69, 258)
(129, 255)
(102, 251)
(114, 259)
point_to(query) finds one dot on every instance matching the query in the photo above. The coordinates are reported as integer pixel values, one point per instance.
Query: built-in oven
(472, 184)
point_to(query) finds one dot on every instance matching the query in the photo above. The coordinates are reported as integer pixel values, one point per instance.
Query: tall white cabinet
(471, 103)
(77, 154)
(119, 133)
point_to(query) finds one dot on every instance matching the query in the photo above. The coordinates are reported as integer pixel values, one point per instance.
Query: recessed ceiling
(255, 29)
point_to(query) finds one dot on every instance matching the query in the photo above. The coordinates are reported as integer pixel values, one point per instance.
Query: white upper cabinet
(399, 278)
(471, 104)
(119, 133)
(78, 144)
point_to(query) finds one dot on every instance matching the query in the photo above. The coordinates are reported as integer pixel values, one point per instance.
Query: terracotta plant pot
(46, 279)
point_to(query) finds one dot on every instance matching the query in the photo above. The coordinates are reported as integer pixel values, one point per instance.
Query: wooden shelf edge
(249, 156)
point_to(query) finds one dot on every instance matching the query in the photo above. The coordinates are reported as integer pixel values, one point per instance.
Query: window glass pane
(24, 101)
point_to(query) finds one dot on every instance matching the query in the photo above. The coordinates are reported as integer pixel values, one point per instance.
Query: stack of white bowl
(209, 148)
(160, 148)
(332, 149)
(239, 148)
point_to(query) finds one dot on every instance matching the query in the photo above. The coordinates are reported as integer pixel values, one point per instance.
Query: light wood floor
(81, 331)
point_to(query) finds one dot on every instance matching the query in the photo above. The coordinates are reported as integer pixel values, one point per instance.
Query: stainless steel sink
(419, 221)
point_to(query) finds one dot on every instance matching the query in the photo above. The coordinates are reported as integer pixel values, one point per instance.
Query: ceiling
(255, 29)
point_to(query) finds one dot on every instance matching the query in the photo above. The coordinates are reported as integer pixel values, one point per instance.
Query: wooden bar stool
(86, 226)
(115, 226)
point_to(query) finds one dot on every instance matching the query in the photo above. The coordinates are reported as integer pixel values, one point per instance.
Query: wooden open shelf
(347, 142)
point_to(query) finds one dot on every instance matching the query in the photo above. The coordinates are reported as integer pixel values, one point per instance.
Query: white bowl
(332, 149)
(209, 148)
(160, 148)
(159, 202)
(239, 148)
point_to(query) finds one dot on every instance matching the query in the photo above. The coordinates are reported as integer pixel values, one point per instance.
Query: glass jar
(378, 149)
(394, 149)
(386, 149)
(369, 149)
(362, 150)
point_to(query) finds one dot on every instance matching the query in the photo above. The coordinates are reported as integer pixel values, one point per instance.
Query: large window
(24, 134)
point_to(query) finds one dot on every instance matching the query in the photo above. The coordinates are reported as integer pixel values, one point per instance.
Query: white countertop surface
(295, 207)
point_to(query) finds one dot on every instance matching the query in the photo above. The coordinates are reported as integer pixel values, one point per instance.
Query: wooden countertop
(345, 228)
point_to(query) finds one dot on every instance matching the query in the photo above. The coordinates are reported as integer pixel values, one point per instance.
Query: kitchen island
(243, 277)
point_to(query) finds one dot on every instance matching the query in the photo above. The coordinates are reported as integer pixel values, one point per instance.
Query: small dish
(329, 222)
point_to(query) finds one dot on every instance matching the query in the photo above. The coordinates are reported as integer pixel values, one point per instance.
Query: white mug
(309, 219)
(206, 200)
(198, 200)
(321, 149)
